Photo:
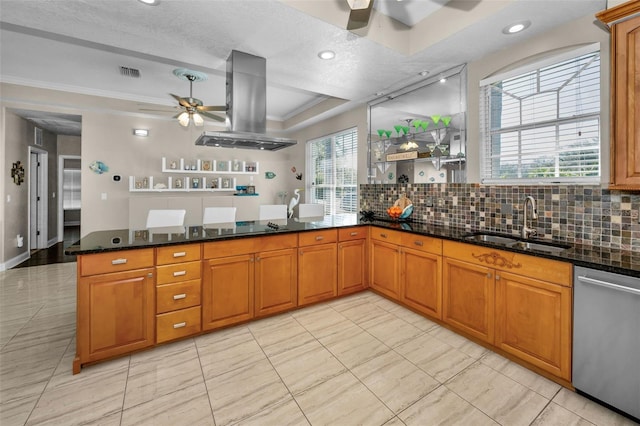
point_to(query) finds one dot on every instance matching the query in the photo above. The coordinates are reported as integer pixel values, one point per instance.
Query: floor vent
(129, 72)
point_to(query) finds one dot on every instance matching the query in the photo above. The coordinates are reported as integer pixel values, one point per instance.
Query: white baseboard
(52, 241)
(15, 261)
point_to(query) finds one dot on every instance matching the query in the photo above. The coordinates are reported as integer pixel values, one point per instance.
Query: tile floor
(360, 360)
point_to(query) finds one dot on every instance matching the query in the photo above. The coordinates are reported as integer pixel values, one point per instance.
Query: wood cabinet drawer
(313, 238)
(422, 243)
(278, 242)
(176, 324)
(115, 261)
(171, 297)
(228, 248)
(386, 235)
(530, 266)
(175, 254)
(355, 233)
(178, 272)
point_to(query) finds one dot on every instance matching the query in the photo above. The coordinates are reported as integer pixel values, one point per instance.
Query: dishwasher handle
(612, 286)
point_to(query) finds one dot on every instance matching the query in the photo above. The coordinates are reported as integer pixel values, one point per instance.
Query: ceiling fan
(192, 108)
(360, 13)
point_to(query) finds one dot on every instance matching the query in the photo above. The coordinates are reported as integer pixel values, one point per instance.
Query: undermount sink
(518, 243)
(548, 248)
(491, 238)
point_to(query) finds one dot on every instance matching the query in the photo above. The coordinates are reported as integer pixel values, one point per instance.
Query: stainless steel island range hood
(246, 108)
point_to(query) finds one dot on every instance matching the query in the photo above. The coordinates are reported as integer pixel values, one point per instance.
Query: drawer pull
(179, 273)
(353, 234)
(180, 254)
(180, 324)
(383, 235)
(179, 296)
(118, 261)
(418, 243)
(319, 238)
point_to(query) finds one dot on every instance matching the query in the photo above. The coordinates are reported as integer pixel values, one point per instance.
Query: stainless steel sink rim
(517, 243)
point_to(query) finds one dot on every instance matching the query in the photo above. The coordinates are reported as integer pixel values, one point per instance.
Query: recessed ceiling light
(327, 54)
(423, 73)
(443, 80)
(150, 2)
(516, 27)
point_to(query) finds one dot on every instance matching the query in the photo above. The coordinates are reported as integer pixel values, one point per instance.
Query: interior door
(33, 201)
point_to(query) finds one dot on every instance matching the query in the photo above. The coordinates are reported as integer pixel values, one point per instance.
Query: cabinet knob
(497, 277)
(418, 243)
(179, 296)
(258, 259)
(180, 324)
(319, 238)
(383, 235)
(353, 234)
(180, 254)
(150, 275)
(120, 261)
(489, 275)
(179, 273)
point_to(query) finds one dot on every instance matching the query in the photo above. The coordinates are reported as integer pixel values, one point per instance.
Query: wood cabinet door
(317, 273)
(533, 322)
(227, 291)
(468, 298)
(276, 281)
(352, 266)
(421, 286)
(625, 105)
(385, 268)
(116, 314)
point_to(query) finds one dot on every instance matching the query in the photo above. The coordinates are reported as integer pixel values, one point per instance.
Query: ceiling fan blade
(212, 116)
(181, 101)
(359, 18)
(219, 108)
(159, 110)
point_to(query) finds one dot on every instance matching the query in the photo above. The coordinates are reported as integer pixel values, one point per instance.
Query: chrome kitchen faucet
(526, 231)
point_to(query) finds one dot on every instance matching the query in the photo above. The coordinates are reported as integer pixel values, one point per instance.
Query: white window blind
(543, 124)
(332, 165)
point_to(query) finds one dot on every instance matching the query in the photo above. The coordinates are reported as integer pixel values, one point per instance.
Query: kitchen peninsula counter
(608, 259)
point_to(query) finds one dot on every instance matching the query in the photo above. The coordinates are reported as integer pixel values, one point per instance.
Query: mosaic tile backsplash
(577, 214)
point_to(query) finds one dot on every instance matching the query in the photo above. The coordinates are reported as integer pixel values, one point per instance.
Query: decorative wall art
(98, 167)
(17, 173)
(269, 175)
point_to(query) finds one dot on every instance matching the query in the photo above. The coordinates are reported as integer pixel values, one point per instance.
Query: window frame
(486, 132)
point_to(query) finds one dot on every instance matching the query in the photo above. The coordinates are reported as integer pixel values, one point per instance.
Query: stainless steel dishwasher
(606, 338)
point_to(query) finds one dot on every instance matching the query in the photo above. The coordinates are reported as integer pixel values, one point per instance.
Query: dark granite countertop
(607, 259)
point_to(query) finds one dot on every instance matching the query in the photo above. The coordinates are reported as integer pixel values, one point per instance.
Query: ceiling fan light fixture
(326, 54)
(197, 119)
(358, 4)
(183, 119)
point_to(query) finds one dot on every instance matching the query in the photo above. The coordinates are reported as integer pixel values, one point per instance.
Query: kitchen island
(138, 288)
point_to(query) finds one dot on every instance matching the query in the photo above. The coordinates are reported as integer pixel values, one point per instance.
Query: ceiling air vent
(129, 72)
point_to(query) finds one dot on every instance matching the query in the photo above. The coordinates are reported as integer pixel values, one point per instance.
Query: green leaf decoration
(416, 124)
(405, 130)
(446, 121)
(435, 118)
(380, 132)
(424, 124)
(388, 133)
(398, 128)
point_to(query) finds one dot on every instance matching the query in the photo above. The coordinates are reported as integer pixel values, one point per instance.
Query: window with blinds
(543, 124)
(332, 167)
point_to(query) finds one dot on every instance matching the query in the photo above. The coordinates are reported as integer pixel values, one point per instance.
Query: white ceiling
(79, 45)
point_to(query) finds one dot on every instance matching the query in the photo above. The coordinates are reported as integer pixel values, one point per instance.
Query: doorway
(38, 196)
(69, 201)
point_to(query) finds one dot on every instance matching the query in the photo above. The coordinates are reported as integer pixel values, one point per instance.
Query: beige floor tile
(321, 321)
(435, 357)
(305, 366)
(279, 334)
(227, 350)
(501, 398)
(443, 407)
(411, 317)
(554, 414)
(344, 401)
(528, 378)
(244, 392)
(363, 312)
(390, 330)
(286, 413)
(394, 380)
(395, 422)
(462, 344)
(17, 411)
(354, 346)
(350, 301)
(188, 406)
(91, 396)
(589, 410)
(166, 370)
